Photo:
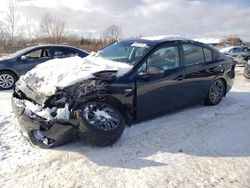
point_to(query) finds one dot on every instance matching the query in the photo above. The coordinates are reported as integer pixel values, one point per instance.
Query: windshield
(127, 52)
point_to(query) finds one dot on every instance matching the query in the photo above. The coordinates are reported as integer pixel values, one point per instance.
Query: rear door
(200, 69)
(159, 82)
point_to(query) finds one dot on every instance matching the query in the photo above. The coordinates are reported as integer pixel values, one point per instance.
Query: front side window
(38, 54)
(192, 54)
(34, 54)
(63, 52)
(163, 59)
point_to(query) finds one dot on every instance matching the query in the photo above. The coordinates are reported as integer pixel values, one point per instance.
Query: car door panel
(198, 78)
(160, 91)
(197, 82)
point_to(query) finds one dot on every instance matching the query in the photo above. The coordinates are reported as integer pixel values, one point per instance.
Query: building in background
(221, 42)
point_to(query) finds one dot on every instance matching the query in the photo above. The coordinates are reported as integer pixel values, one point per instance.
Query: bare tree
(52, 27)
(31, 30)
(3, 35)
(12, 18)
(113, 32)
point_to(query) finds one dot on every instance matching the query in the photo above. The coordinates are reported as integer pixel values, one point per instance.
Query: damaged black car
(126, 82)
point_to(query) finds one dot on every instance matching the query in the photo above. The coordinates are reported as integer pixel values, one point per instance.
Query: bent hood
(45, 78)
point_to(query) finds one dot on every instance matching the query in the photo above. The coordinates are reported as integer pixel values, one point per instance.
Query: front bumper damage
(41, 132)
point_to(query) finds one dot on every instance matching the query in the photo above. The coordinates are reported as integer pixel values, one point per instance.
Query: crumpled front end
(51, 121)
(45, 127)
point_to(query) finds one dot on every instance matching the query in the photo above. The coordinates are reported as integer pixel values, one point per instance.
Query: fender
(109, 100)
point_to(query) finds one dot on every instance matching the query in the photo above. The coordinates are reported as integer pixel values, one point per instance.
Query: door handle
(180, 77)
(128, 90)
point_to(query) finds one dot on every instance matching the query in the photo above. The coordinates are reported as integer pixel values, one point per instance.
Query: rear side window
(207, 54)
(64, 52)
(192, 54)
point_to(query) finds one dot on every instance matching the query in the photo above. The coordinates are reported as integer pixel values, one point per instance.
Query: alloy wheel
(6, 81)
(216, 91)
(101, 116)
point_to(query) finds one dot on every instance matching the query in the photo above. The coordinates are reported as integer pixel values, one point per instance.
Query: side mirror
(24, 58)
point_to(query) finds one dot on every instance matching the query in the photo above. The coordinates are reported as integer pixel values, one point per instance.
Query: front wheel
(7, 80)
(215, 93)
(101, 124)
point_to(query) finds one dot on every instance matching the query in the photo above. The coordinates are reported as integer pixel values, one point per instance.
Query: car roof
(160, 39)
(52, 45)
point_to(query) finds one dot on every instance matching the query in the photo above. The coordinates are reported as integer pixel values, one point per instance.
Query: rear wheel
(101, 124)
(7, 80)
(216, 92)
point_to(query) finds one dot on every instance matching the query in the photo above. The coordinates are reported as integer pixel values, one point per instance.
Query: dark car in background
(165, 74)
(14, 65)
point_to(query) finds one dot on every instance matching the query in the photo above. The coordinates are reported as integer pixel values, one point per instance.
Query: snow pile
(58, 73)
(165, 37)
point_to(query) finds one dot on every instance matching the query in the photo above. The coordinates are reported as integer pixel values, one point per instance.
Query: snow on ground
(199, 146)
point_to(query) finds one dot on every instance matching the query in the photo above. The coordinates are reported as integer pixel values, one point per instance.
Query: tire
(215, 93)
(98, 129)
(7, 80)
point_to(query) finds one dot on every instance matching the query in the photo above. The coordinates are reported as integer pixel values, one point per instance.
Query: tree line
(15, 35)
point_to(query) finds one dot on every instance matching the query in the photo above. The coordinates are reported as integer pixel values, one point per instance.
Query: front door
(159, 83)
(33, 58)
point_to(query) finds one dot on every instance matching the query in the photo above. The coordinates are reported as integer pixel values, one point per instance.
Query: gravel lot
(199, 146)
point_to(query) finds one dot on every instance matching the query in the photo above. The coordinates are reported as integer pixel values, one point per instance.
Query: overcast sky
(190, 18)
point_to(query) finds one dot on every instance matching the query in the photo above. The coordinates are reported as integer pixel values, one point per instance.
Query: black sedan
(14, 65)
(143, 77)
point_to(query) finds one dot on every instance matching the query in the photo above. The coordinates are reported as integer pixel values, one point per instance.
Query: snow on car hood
(59, 73)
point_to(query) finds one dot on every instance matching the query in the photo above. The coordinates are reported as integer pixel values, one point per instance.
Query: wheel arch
(12, 71)
(224, 82)
(111, 100)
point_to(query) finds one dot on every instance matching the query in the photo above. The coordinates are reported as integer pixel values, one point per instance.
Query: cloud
(190, 18)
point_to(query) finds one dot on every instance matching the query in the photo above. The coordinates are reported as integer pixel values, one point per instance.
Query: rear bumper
(229, 77)
(41, 133)
(247, 71)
